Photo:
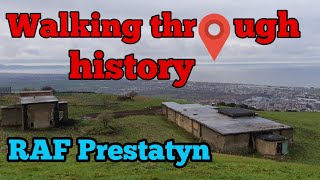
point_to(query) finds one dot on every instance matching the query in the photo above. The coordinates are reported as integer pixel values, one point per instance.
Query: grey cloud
(235, 50)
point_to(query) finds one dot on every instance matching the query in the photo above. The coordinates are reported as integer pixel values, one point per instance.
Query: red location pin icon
(214, 43)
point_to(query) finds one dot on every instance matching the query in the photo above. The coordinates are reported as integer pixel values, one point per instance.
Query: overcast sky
(55, 51)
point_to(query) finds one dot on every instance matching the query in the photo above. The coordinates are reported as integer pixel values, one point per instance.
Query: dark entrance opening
(279, 148)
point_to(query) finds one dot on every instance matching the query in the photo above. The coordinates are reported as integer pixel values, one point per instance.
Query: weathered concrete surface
(171, 115)
(237, 143)
(266, 147)
(11, 116)
(38, 99)
(196, 129)
(209, 117)
(36, 110)
(40, 116)
(213, 138)
(184, 122)
(223, 133)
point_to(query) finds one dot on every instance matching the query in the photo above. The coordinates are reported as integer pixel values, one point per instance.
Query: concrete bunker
(272, 144)
(231, 130)
(11, 115)
(36, 110)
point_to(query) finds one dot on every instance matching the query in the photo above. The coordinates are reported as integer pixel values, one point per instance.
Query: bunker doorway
(279, 148)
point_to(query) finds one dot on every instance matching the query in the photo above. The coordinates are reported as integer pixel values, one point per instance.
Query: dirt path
(147, 111)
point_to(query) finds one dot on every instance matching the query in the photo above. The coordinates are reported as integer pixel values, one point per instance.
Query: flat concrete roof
(223, 124)
(37, 99)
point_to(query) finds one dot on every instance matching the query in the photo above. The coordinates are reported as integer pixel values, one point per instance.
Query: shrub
(231, 104)
(244, 106)
(106, 117)
(132, 94)
(221, 103)
(48, 88)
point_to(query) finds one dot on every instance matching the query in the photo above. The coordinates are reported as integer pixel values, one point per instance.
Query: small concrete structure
(231, 134)
(11, 115)
(36, 110)
(271, 144)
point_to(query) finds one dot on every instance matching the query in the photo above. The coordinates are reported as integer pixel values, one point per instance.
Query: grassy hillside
(306, 134)
(304, 161)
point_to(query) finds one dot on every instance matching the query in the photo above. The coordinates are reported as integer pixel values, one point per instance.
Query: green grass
(223, 167)
(154, 128)
(306, 138)
(304, 161)
(81, 104)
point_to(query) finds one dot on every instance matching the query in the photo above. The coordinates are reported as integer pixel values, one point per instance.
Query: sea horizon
(268, 74)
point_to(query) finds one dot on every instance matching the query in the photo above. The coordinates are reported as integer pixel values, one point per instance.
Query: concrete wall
(11, 116)
(40, 115)
(218, 142)
(196, 129)
(171, 115)
(213, 138)
(184, 122)
(266, 147)
(34, 116)
(228, 144)
(238, 143)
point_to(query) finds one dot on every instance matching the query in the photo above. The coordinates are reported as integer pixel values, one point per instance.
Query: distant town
(248, 96)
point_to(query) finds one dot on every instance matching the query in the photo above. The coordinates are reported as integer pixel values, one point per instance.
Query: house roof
(223, 124)
(37, 99)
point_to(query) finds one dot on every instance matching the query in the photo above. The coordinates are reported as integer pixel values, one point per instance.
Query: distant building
(36, 110)
(231, 130)
(316, 105)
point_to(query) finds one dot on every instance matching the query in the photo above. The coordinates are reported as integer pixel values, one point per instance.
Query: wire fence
(5, 90)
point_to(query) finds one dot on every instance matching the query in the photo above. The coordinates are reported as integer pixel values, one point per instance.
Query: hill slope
(304, 161)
